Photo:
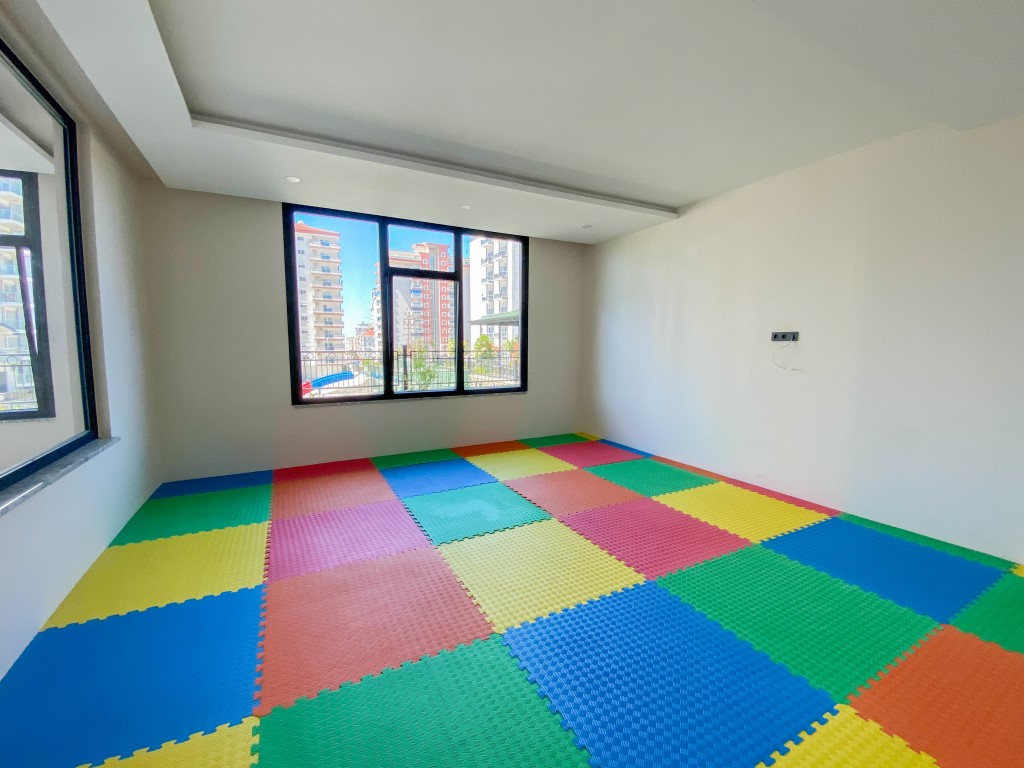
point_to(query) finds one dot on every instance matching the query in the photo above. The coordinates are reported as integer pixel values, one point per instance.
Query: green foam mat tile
(830, 632)
(649, 477)
(179, 515)
(998, 615)
(464, 512)
(416, 457)
(544, 442)
(466, 708)
(943, 546)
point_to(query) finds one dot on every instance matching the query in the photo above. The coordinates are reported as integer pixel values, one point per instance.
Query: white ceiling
(542, 115)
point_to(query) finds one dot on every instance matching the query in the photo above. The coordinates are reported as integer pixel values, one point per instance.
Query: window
(47, 407)
(410, 312)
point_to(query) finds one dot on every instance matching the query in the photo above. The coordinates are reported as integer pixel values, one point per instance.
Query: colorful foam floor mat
(555, 601)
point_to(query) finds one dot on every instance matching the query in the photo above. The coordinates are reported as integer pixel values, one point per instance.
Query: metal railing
(17, 387)
(353, 373)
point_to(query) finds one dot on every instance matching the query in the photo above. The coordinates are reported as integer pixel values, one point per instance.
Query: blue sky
(359, 255)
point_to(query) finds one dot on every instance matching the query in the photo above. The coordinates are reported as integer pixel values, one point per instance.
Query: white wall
(48, 541)
(901, 264)
(216, 277)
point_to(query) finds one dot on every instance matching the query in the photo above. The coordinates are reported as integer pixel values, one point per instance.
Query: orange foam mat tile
(329, 492)
(564, 493)
(957, 698)
(336, 626)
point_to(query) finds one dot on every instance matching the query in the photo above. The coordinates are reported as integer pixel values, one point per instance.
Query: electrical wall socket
(785, 335)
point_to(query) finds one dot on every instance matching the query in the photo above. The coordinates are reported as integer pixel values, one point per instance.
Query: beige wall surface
(901, 264)
(215, 274)
(48, 541)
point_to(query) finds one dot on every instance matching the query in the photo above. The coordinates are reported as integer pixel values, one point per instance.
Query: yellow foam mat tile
(527, 572)
(588, 436)
(133, 577)
(1018, 570)
(745, 513)
(513, 464)
(847, 740)
(227, 747)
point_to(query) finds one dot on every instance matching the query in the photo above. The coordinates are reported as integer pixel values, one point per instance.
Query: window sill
(50, 474)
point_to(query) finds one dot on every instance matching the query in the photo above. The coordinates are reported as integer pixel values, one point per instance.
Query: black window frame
(387, 275)
(76, 286)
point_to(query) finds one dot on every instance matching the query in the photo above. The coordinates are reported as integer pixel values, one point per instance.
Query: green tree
(483, 347)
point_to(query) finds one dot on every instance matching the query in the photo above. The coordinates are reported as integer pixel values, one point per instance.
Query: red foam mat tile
(562, 493)
(590, 454)
(309, 543)
(331, 627)
(320, 494)
(483, 449)
(322, 470)
(652, 538)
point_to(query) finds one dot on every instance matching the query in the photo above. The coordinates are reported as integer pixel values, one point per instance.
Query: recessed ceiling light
(292, 179)
(465, 207)
(588, 226)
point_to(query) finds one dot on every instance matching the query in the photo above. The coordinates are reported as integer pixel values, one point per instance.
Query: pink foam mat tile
(652, 538)
(590, 454)
(315, 542)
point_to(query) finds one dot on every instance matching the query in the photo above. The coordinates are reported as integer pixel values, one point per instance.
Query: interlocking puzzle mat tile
(87, 692)
(794, 500)
(309, 543)
(466, 708)
(417, 479)
(849, 741)
(134, 577)
(178, 515)
(590, 454)
(543, 442)
(957, 698)
(522, 573)
(563, 493)
(327, 469)
(629, 448)
(320, 494)
(944, 546)
(651, 538)
(641, 676)
(834, 634)
(588, 436)
(649, 477)
(416, 457)
(513, 464)
(928, 581)
(743, 512)
(998, 615)
(465, 512)
(212, 484)
(327, 628)
(227, 747)
(1018, 570)
(484, 448)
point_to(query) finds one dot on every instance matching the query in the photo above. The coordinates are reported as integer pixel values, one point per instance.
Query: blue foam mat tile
(86, 692)
(643, 678)
(210, 484)
(926, 580)
(437, 476)
(643, 454)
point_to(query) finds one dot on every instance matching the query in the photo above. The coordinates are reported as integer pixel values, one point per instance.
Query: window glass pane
(337, 263)
(17, 385)
(12, 206)
(421, 248)
(492, 279)
(424, 330)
